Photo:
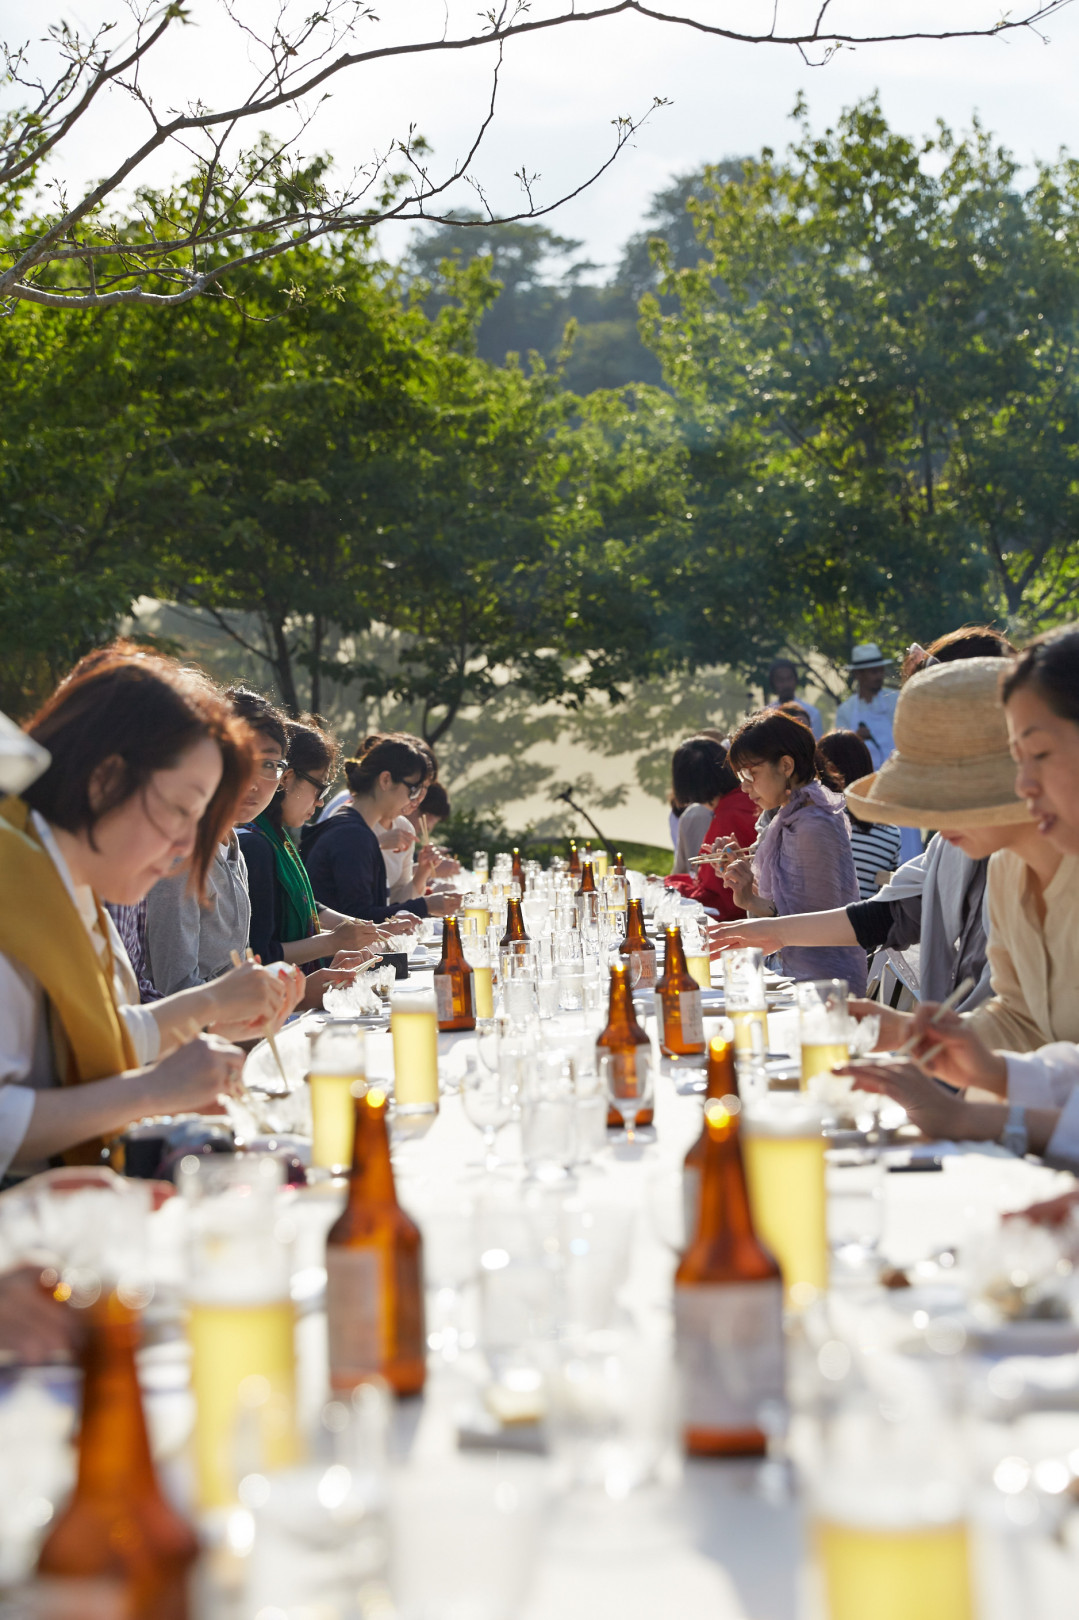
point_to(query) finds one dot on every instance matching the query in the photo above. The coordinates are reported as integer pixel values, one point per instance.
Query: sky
(561, 90)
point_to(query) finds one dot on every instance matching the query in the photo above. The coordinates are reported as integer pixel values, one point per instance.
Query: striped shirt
(876, 849)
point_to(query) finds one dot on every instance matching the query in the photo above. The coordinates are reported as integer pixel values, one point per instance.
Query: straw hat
(951, 767)
(867, 655)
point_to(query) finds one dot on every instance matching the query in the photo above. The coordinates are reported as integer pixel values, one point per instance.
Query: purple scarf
(804, 862)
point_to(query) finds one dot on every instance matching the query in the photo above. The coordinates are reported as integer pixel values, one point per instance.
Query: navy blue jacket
(347, 872)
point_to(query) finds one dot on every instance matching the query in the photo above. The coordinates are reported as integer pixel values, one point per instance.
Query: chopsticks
(238, 961)
(957, 995)
(425, 836)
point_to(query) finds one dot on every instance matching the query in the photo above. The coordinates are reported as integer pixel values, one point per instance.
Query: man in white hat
(869, 711)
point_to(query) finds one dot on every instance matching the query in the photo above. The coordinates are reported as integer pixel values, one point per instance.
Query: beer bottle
(678, 1002)
(574, 860)
(619, 867)
(515, 923)
(454, 986)
(374, 1269)
(728, 1306)
(118, 1548)
(518, 871)
(587, 884)
(638, 947)
(622, 1035)
(722, 1082)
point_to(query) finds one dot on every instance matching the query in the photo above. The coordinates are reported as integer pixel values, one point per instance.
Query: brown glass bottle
(574, 860)
(587, 884)
(638, 947)
(455, 994)
(619, 867)
(728, 1307)
(622, 1035)
(517, 870)
(722, 1082)
(374, 1270)
(515, 923)
(118, 1538)
(678, 1002)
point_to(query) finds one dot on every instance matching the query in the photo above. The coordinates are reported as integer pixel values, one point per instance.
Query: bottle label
(647, 959)
(657, 1002)
(729, 1344)
(692, 1017)
(444, 998)
(354, 1306)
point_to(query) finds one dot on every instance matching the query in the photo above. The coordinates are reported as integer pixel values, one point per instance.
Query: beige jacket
(1033, 963)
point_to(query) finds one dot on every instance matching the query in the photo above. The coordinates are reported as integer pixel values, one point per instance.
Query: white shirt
(26, 1059)
(876, 716)
(399, 863)
(1049, 1078)
(815, 721)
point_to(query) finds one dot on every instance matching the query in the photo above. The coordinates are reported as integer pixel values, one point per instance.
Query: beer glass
(628, 1080)
(481, 866)
(414, 1028)
(783, 1144)
(746, 1006)
(695, 945)
(239, 1322)
(822, 1026)
(477, 949)
(336, 1068)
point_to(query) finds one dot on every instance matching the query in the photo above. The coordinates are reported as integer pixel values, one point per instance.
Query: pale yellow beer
(743, 1019)
(476, 919)
(481, 984)
(414, 1028)
(599, 864)
(243, 1376)
(786, 1189)
(821, 1057)
(333, 1118)
(700, 968)
(921, 1572)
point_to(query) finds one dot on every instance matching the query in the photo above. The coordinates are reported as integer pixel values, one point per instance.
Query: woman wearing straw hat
(951, 769)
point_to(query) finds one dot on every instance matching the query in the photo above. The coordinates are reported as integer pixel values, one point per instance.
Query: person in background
(803, 859)
(783, 681)
(875, 844)
(870, 709)
(700, 777)
(147, 765)
(287, 924)
(131, 926)
(343, 857)
(424, 816)
(734, 820)
(188, 942)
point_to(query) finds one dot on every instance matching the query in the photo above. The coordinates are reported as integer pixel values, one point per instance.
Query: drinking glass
(477, 951)
(414, 1028)
(695, 945)
(783, 1142)
(570, 979)
(481, 865)
(746, 1005)
(488, 1105)
(519, 997)
(627, 1079)
(240, 1322)
(855, 1182)
(612, 1408)
(335, 1077)
(548, 1115)
(534, 910)
(822, 1026)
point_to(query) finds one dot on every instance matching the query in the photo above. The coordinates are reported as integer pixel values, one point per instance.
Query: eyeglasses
(416, 790)
(273, 767)
(312, 781)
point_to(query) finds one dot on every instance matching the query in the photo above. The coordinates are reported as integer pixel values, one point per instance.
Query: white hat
(21, 758)
(867, 656)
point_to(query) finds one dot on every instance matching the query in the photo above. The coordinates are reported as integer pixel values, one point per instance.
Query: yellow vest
(40, 927)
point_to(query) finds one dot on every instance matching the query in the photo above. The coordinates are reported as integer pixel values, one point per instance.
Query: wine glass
(488, 1105)
(627, 1078)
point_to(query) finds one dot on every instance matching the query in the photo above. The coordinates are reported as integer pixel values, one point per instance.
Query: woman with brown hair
(147, 765)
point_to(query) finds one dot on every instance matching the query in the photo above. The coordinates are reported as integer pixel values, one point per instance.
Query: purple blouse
(804, 862)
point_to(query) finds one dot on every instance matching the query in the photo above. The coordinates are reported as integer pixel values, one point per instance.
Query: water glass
(855, 1182)
(570, 980)
(611, 1414)
(487, 1103)
(519, 997)
(627, 1079)
(549, 1116)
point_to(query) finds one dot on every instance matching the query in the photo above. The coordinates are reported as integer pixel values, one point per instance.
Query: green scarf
(299, 915)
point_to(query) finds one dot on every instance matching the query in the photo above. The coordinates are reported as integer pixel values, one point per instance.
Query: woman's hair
(260, 714)
(368, 742)
(796, 711)
(406, 759)
(122, 703)
(969, 641)
(767, 736)
(310, 751)
(847, 754)
(435, 804)
(1051, 666)
(700, 773)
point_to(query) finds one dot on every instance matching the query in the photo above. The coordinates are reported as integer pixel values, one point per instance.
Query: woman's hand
(351, 961)
(316, 984)
(194, 1075)
(737, 876)
(895, 1027)
(947, 1046)
(448, 866)
(1051, 1212)
(248, 1001)
(397, 839)
(937, 1113)
(443, 905)
(762, 933)
(355, 935)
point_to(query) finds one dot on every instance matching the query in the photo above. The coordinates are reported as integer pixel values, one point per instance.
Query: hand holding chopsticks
(238, 961)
